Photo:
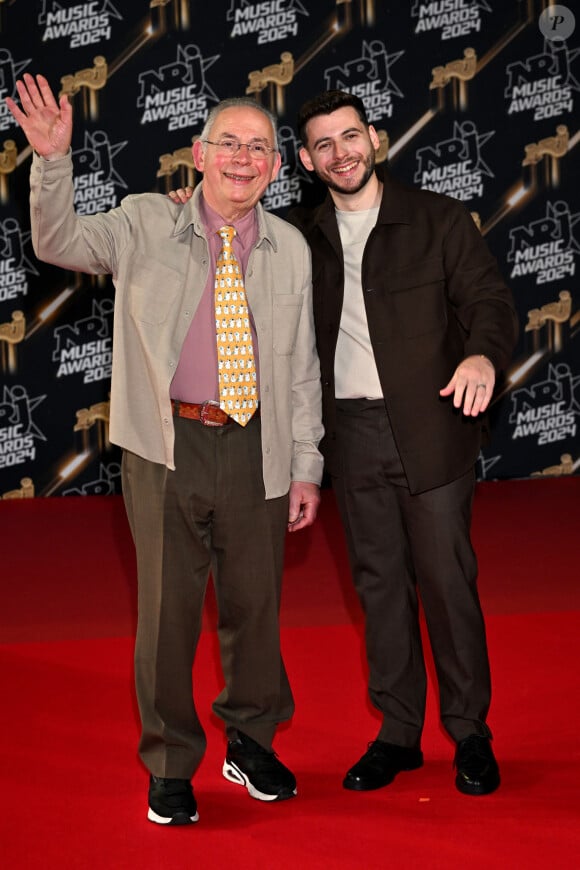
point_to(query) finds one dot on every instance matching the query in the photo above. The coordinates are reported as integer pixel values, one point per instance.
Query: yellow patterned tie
(238, 385)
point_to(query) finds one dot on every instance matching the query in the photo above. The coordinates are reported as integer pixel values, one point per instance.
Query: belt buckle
(203, 411)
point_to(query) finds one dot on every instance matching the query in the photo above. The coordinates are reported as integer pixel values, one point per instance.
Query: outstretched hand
(471, 385)
(46, 124)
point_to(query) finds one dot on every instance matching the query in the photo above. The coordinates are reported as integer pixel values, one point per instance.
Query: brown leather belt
(208, 413)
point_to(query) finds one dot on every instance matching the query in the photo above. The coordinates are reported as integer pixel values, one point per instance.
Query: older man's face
(233, 183)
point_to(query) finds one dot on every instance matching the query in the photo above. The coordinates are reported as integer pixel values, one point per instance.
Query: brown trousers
(208, 514)
(399, 543)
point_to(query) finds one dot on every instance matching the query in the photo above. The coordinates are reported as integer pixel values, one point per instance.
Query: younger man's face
(340, 149)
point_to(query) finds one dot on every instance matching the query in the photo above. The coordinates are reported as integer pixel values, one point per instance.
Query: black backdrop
(474, 98)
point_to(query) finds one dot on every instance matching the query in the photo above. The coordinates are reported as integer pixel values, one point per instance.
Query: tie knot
(227, 234)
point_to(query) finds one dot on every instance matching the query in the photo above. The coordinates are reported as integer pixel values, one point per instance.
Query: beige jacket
(157, 253)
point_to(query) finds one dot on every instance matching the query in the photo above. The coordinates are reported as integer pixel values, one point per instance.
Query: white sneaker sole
(164, 820)
(233, 773)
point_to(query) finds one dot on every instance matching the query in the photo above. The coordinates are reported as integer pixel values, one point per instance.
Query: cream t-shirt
(355, 370)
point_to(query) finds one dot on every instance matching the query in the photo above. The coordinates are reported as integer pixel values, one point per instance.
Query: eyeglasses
(231, 147)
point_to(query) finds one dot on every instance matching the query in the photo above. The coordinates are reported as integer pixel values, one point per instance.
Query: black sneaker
(477, 769)
(249, 764)
(171, 802)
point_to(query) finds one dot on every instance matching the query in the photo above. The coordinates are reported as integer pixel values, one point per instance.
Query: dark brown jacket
(433, 296)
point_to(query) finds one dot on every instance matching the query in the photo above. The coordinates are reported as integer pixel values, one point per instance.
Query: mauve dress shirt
(196, 375)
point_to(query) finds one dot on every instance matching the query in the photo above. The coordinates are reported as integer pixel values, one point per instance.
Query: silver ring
(481, 385)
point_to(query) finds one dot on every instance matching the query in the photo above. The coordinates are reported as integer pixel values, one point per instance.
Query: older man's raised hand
(47, 124)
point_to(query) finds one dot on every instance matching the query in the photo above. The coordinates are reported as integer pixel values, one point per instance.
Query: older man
(215, 400)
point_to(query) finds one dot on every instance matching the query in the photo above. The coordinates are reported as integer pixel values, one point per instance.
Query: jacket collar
(394, 208)
(190, 216)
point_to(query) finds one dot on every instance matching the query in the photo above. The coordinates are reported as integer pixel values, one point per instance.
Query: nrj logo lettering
(269, 22)
(17, 430)
(177, 92)
(452, 18)
(455, 166)
(368, 77)
(95, 179)
(544, 83)
(484, 465)
(9, 72)
(14, 265)
(81, 23)
(103, 485)
(286, 189)
(85, 347)
(547, 411)
(546, 247)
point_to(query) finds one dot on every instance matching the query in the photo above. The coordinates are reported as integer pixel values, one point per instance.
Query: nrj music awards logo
(269, 22)
(105, 484)
(368, 76)
(452, 18)
(177, 92)
(9, 72)
(95, 178)
(546, 247)
(14, 265)
(86, 347)
(18, 432)
(544, 83)
(455, 166)
(547, 411)
(81, 23)
(286, 189)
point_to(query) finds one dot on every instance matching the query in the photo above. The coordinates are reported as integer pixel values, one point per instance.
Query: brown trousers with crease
(208, 514)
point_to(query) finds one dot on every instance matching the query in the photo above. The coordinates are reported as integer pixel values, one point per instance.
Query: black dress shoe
(477, 769)
(380, 764)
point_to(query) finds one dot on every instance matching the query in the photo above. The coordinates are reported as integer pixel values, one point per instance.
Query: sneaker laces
(255, 751)
(173, 787)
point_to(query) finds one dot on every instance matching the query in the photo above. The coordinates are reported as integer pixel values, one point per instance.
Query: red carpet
(74, 795)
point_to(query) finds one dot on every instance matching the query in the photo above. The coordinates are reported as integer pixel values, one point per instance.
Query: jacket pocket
(418, 298)
(153, 289)
(286, 310)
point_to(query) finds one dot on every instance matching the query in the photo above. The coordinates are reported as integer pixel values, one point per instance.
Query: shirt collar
(246, 227)
(191, 214)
